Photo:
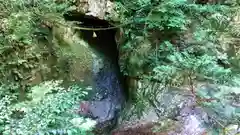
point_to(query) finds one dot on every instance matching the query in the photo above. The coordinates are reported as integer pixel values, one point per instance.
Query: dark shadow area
(109, 90)
(104, 42)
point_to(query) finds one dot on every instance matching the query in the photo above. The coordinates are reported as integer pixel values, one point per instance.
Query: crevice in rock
(110, 88)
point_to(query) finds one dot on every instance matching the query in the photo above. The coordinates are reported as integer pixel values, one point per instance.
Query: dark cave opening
(103, 41)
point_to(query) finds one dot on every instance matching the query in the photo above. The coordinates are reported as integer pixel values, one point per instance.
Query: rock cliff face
(96, 8)
(177, 112)
(82, 55)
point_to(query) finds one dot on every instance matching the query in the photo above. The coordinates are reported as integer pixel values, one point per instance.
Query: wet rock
(107, 98)
(172, 100)
(175, 114)
(142, 128)
(187, 117)
(188, 125)
(192, 122)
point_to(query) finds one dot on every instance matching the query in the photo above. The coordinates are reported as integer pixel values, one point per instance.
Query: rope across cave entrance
(108, 96)
(104, 25)
(100, 34)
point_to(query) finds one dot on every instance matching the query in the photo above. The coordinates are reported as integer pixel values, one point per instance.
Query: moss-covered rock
(70, 45)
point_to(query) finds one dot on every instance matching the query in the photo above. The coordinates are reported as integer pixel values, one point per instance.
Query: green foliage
(5, 113)
(26, 46)
(185, 45)
(204, 67)
(23, 17)
(172, 41)
(50, 109)
(184, 39)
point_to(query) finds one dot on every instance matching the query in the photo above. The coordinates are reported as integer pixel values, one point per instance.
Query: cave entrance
(103, 41)
(109, 81)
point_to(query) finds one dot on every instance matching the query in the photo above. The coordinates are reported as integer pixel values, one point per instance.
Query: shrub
(51, 109)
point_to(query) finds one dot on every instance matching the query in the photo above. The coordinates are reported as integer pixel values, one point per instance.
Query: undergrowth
(50, 109)
(26, 43)
(180, 37)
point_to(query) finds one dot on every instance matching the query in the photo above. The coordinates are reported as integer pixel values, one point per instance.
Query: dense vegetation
(187, 45)
(179, 42)
(173, 42)
(26, 42)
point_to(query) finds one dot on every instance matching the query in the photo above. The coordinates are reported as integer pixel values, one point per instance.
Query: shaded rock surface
(177, 112)
(107, 98)
(96, 8)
